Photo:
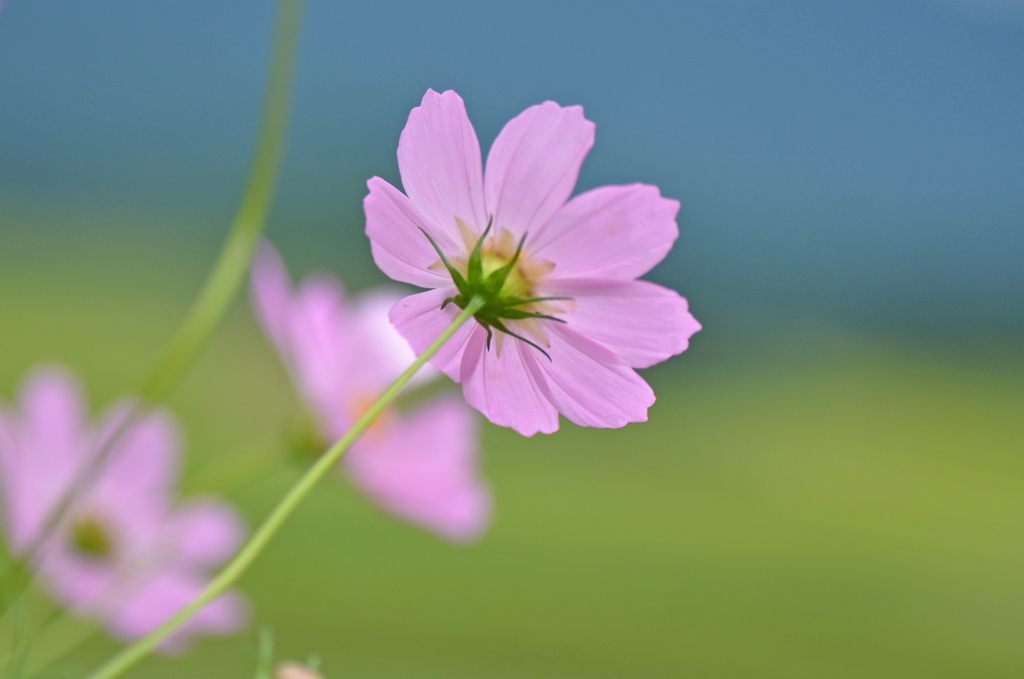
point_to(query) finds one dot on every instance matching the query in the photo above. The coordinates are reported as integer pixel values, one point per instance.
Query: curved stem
(284, 509)
(229, 271)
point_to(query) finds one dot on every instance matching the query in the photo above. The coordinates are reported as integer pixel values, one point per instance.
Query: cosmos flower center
(502, 277)
(91, 538)
(498, 252)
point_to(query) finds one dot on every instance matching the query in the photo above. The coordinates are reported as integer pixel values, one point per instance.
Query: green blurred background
(831, 483)
(821, 504)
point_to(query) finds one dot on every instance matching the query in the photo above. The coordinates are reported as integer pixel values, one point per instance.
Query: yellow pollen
(496, 252)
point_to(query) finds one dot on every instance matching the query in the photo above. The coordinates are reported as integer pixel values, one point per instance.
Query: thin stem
(233, 263)
(284, 509)
(265, 654)
(228, 272)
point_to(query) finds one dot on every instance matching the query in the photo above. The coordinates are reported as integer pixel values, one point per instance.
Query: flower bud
(294, 670)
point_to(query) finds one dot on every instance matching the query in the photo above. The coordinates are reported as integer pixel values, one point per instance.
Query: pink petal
(642, 323)
(504, 388)
(8, 459)
(339, 353)
(584, 383)
(205, 532)
(75, 582)
(319, 333)
(163, 595)
(399, 247)
(609, 232)
(269, 292)
(381, 354)
(47, 446)
(136, 482)
(439, 158)
(421, 320)
(533, 165)
(426, 472)
(308, 327)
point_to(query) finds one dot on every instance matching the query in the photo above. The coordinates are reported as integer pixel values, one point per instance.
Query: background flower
(421, 465)
(125, 554)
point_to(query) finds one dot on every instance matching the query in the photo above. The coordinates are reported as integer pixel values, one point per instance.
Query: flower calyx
(499, 283)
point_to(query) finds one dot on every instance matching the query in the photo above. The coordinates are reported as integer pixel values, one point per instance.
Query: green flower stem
(284, 509)
(229, 272)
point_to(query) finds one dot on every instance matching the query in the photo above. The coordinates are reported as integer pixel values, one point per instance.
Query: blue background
(855, 162)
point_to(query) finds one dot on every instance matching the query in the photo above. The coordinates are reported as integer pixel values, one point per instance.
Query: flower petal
(162, 595)
(439, 158)
(269, 293)
(421, 320)
(136, 482)
(399, 247)
(309, 328)
(48, 443)
(533, 165)
(504, 388)
(319, 335)
(641, 322)
(585, 384)
(426, 471)
(204, 532)
(8, 461)
(75, 582)
(381, 353)
(609, 232)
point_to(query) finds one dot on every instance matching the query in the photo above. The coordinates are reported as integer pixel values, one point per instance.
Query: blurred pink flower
(572, 355)
(342, 354)
(125, 554)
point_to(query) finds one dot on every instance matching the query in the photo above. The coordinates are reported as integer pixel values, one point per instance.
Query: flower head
(565, 320)
(342, 355)
(125, 553)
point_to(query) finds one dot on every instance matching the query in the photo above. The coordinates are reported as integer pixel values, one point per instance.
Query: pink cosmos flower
(568, 318)
(126, 554)
(342, 355)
